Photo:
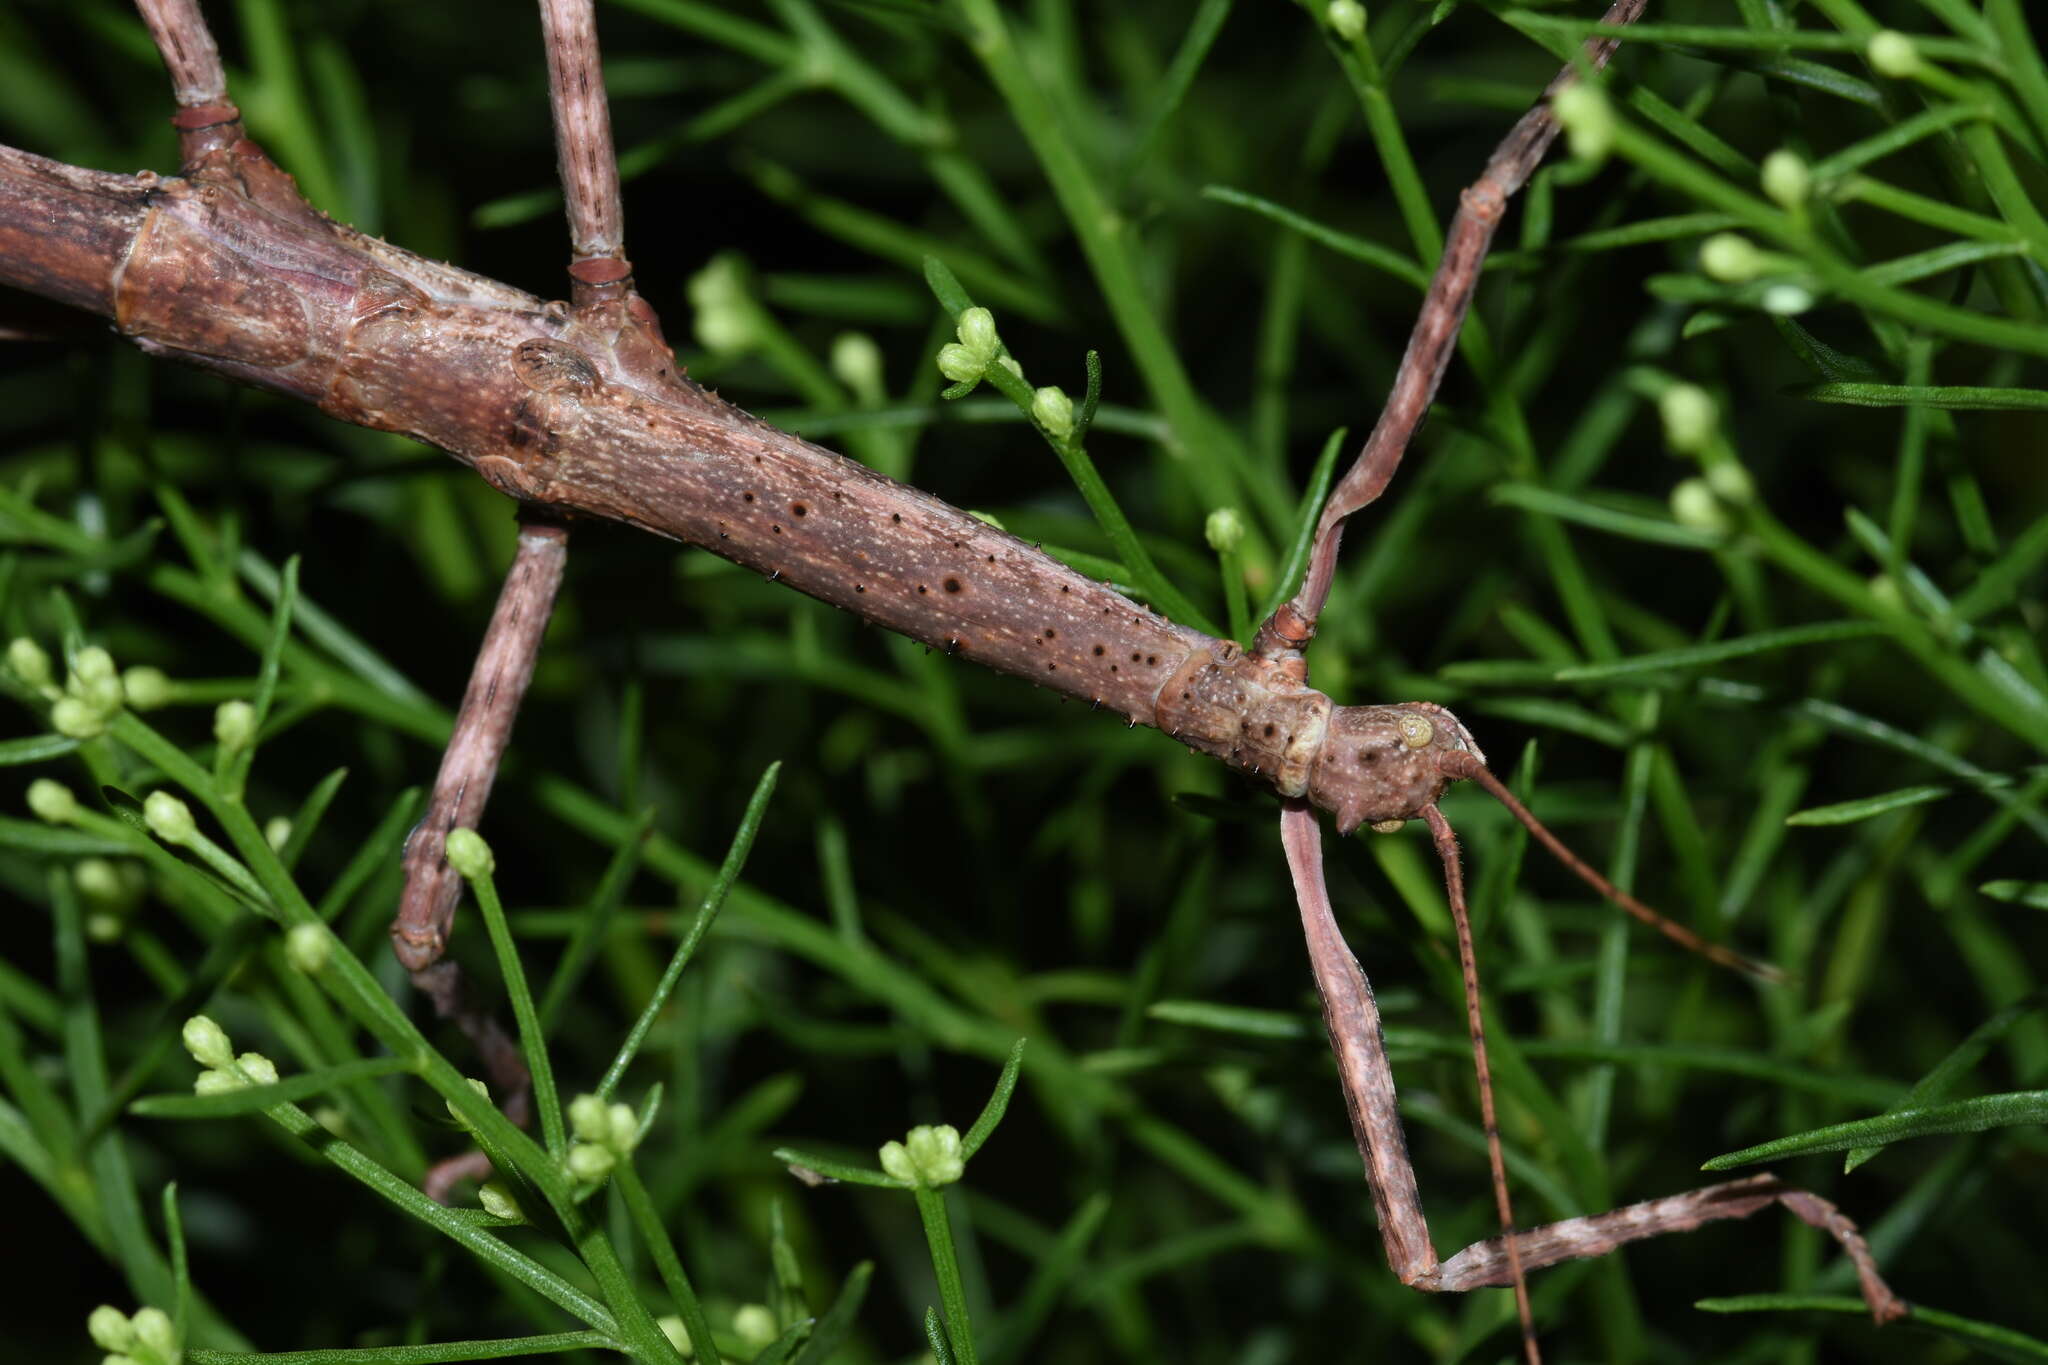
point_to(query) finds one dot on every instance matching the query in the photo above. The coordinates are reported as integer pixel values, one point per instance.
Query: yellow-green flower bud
(154, 1332)
(587, 1118)
(77, 718)
(469, 855)
(1053, 410)
(1225, 530)
(277, 831)
(590, 1163)
(755, 1325)
(624, 1128)
(216, 1082)
(98, 880)
(857, 363)
(1346, 19)
(1892, 54)
(234, 725)
(258, 1068)
(51, 801)
(1583, 112)
(724, 320)
(1694, 505)
(1731, 259)
(929, 1155)
(168, 818)
(1787, 300)
(1731, 483)
(28, 662)
(146, 688)
(1689, 418)
(208, 1043)
(1787, 179)
(678, 1335)
(959, 364)
(92, 665)
(110, 1328)
(456, 1114)
(308, 947)
(976, 328)
(496, 1199)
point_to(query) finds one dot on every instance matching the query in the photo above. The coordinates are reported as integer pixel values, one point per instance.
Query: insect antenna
(1465, 765)
(1468, 968)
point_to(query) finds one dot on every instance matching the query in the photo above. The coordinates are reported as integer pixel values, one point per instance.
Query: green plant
(1789, 684)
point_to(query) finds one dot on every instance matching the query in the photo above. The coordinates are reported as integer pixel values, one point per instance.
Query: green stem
(432, 1353)
(1108, 240)
(938, 1233)
(545, 1099)
(655, 1236)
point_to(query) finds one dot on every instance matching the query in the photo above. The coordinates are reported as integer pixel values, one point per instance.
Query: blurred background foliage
(954, 859)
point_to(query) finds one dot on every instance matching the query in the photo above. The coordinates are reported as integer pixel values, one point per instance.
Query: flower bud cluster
(208, 1043)
(928, 1156)
(966, 361)
(147, 1337)
(605, 1133)
(92, 693)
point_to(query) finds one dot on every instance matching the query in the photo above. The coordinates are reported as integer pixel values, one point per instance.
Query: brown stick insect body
(581, 411)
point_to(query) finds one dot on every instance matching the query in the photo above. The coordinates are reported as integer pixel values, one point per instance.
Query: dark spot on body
(860, 587)
(922, 588)
(1269, 730)
(952, 585)
(797, 509)
(1050, 632)
(1152, 660)
(1098, 651)
(896, 516)
(749, 497)
(776, 529)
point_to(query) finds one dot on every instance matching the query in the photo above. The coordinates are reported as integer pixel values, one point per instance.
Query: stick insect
(579, 411)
